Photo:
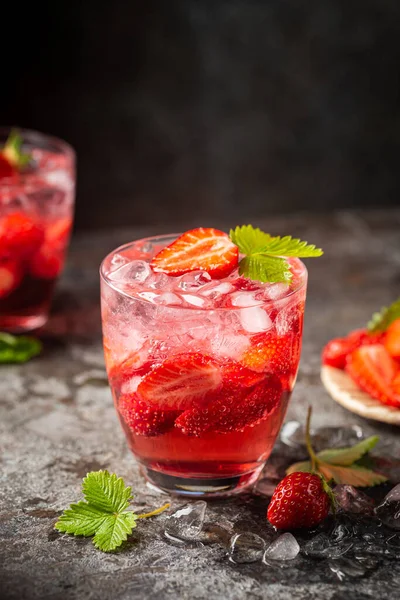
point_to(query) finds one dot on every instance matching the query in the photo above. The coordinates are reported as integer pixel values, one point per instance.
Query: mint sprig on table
(103, 514)
(18, 349)
(13, 151)
(344, 465)
(265, 255)
(380, 321)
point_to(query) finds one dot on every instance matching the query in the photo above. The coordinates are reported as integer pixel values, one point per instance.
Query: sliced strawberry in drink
(20, 235)
(58, 232)
(336, 351)
(181, 381)
(238, 377)
(272, 353)
(7, 170)
(10, 276)
(144, 419)
(202, 249)
(392, 339)
(233, 412)
(373, 370)
(46, 263)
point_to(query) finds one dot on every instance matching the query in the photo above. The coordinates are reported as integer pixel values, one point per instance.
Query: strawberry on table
(201, 249)
(143, 418)
(373, 370)
(181, 381)
(299, 500)
(10, 276)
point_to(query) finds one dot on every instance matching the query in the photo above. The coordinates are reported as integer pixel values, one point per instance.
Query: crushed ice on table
(389, 510)
(246, 547)
(285, 547)
(347, 568)
(293, 435)
(265, 486)
(186, 523)
(322, 546)
(352, 500)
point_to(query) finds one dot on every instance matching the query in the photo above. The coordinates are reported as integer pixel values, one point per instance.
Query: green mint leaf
(380, 321)
(265, 268)
(106, 492)
(347, 456)
(81, 519)
(265, 255)
(18, 349)
(248, 238)
(13, 150)
(354, 475)
(114, 530)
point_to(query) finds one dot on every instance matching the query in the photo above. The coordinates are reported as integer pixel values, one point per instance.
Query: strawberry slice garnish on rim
(374, 370)
(201, 249)
(181, 382)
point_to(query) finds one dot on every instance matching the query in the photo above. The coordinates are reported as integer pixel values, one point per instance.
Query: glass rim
(31, 135)
(172, 236)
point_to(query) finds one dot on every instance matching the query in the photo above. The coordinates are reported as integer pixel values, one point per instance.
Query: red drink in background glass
(36, 211)
(201, 370)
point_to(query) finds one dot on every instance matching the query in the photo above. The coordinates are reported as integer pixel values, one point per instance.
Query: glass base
(21, 324)
(200, 487)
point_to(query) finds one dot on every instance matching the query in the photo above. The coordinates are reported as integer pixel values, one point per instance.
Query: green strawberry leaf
(304, 467)
(380, 321)
(347, 456)
(355, 475)
(18, 349)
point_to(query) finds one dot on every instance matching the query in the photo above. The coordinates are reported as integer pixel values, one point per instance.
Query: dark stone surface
(198, 107)
(58, 422)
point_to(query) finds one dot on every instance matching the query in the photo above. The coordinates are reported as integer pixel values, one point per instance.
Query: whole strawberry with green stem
(301, 500)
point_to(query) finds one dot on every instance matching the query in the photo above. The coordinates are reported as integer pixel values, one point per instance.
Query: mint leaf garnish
(264, 258)
(18, 349)
(340, 465)
(380, 321)
(13, 150)
(104, 514)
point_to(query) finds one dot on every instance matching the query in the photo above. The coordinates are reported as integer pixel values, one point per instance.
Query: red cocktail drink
(37, 188)
(201, 369)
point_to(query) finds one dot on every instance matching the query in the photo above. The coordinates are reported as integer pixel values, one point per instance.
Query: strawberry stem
(157, 511)
(310, 450)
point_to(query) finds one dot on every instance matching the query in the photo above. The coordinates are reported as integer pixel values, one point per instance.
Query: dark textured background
(194, 110)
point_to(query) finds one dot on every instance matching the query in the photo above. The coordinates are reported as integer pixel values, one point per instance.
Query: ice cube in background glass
(246, 547)
(255, 319)
(352, 500)
(187, 522)
(389, 510)
(191, 282)
(136, 271)
(285, 547)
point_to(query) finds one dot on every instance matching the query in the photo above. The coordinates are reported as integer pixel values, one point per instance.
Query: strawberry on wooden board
(336, 351)
(20, 235)
(11, 273)
(392, 339)
(143, 418)
(300, 500)
(373, 370)
(181, 381)
(201, 249)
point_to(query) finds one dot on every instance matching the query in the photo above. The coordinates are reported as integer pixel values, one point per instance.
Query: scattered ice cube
(352, 500)
(292, 434)
(246, 548)
(336, 437)
(244, 299)
(255, 319)
(285, 547)
(136, 271)
(194, 300)
(191, 282)
(347, 568)
(321, 546)
(186, 523)
(389, 510)
(265, 486)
